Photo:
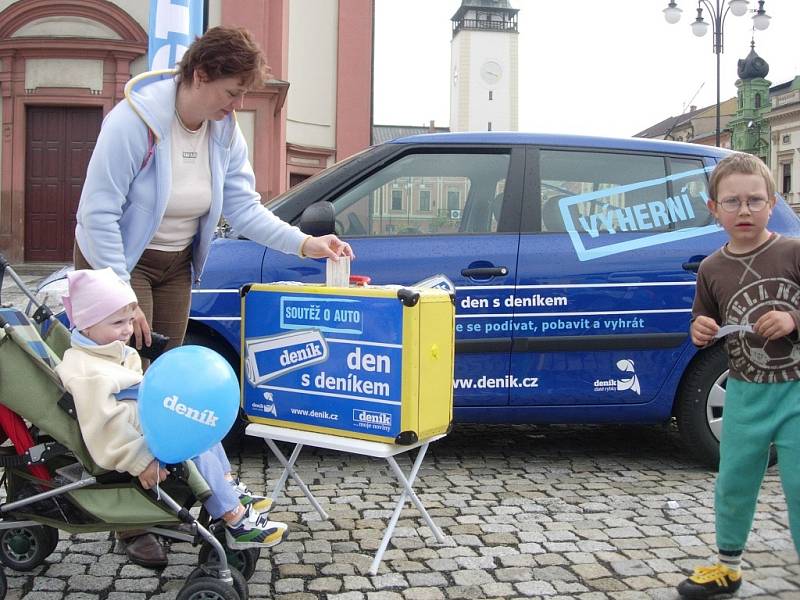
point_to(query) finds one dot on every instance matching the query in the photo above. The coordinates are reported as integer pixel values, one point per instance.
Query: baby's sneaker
(261, 504)
(254, 530)
(710, 582)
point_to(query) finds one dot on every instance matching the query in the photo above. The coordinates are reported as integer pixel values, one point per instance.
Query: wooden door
(59, 143)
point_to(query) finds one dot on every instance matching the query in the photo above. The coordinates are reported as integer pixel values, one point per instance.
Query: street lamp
(717, 11)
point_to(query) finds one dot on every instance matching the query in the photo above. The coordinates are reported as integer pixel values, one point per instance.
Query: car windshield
(291, 192)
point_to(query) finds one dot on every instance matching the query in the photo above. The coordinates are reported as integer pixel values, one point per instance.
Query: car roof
(553, 139)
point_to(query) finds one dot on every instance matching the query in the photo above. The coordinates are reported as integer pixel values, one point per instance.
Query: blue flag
(174, 24)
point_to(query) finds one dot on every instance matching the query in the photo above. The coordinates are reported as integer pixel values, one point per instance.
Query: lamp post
(717, 11)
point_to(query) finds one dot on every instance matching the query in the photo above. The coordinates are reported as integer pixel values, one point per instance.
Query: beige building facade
(784, 124)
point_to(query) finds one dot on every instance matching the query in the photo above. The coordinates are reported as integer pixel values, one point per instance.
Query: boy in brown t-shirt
(753, 281)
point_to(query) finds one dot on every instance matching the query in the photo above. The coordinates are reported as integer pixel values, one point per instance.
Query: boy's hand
(775, 324)
(152, 475)
(703, 330)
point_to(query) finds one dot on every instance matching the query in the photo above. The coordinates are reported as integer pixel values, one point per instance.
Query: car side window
(690, 184)
(426, 193)
(602, 192)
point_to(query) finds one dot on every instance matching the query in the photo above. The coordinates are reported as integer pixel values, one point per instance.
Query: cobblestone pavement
(547, 512)
(557, 512)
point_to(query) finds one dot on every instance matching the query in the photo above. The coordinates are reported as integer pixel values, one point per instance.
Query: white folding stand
(270, 434)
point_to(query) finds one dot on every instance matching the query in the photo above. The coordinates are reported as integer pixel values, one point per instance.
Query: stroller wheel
(210, 570)
(207, 588)
(243, 561)
(52, 532)
(24, 548)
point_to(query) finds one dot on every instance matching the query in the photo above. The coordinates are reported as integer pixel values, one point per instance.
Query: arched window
(758, 100)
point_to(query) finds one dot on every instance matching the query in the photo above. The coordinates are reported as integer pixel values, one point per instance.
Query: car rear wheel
(700, 405)
(233, 439)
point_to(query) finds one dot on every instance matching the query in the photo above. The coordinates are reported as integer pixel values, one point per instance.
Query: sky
(593, 67)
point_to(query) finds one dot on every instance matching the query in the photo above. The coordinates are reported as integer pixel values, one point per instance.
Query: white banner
(174, 24)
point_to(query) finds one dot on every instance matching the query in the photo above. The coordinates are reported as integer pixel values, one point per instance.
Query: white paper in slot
(337, 273)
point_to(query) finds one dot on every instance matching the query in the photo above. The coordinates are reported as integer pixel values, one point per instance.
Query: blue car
(574, 260)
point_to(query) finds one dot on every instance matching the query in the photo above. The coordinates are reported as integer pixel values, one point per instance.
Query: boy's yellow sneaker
(709, 582)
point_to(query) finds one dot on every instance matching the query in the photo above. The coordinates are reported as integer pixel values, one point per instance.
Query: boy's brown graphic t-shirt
(736, 289)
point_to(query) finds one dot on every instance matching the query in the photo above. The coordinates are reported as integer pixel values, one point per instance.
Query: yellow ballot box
(373, 363)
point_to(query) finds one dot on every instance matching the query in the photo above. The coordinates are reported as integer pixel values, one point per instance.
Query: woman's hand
(152, 475)
(703, 330)
(326, 246)
(141, 329)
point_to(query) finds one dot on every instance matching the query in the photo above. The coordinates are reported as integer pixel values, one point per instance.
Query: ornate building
(783, 122)
(696, 125)
(749, 125)
(761, 120)
(64, 65)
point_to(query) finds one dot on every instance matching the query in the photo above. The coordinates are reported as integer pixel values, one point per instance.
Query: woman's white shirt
(190, 196)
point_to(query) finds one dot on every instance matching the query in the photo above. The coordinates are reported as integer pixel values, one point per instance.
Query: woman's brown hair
(225, 52)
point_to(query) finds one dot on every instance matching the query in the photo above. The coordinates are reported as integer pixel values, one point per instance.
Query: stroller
(52, 483)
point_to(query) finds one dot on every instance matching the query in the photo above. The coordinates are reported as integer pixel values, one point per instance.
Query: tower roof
(486, 15)
(499, 5)
(752, 67)
(486, 3)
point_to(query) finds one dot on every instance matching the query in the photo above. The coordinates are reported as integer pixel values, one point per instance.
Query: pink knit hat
(94, 295)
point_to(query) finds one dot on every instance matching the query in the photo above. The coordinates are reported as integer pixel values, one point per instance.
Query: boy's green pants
(756, 415)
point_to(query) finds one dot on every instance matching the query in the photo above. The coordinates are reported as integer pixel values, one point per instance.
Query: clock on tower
(491, 72)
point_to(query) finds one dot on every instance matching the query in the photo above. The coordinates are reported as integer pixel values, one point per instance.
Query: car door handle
(691, 266)
(485, 272)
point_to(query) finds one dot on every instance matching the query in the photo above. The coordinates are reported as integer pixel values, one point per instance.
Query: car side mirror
(318, 219)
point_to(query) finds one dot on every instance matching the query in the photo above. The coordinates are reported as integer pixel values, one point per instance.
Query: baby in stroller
(52, 482)
(103, 373)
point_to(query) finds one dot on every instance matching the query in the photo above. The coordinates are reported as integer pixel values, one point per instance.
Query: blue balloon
(188, 401)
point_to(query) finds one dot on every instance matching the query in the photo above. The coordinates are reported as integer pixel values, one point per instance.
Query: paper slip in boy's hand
(726, 329)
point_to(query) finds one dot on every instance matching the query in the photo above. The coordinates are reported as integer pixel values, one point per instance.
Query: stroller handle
(43, 312)
(155, 349)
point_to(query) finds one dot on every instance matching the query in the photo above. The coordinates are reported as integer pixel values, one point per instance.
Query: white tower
(484, 67)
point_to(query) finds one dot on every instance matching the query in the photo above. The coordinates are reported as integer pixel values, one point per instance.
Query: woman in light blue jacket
(170, 160)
